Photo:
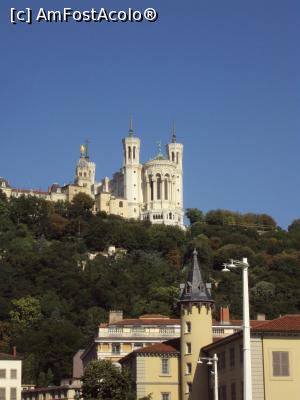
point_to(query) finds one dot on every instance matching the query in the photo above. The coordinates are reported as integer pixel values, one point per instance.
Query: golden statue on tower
(82, 150)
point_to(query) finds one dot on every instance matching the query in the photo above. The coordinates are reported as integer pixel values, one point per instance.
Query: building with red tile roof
(119, 336)
(275, 350)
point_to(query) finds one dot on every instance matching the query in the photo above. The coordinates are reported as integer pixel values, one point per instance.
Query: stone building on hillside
(152, 190)
(119, 336)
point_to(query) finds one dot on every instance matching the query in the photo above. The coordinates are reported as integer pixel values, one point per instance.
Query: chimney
(181, 287)
(115, 316)
(14, 351)
(224, 315)
(261, 317)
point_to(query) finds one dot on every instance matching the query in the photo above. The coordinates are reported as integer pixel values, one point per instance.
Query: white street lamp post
(212, 360)
(246, 325)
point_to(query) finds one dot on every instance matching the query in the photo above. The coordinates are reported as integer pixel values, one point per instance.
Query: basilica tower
(175, 155)
(196, 332)
(85, 169)
(132, 173)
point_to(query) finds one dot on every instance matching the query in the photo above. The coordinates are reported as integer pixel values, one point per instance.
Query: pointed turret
(130, 132)
(174, 133)
(195, 289)
(196, 306)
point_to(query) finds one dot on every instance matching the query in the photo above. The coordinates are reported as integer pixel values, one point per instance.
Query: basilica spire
(173, 133)
(130, 133)
(195, 290)
(87, 149)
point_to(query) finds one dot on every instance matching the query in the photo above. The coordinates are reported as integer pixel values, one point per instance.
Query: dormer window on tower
(188, 288)
(201, 288)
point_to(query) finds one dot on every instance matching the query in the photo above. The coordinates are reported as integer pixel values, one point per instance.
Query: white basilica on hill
(151, 191)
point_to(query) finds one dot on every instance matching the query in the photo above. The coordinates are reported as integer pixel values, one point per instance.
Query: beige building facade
(275, 361)
(64, 392)
(155, 370)
(119, 336)
(275, 354)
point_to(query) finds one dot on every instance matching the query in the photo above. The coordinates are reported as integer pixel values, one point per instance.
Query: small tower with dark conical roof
(196, 306)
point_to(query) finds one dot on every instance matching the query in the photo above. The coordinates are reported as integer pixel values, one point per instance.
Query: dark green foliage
(194, 215)
(103, 380)
(226, 217)
(53, 296)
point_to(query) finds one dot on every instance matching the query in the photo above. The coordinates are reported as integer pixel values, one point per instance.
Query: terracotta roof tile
(6, 356)
(146, 321)
(171, 346)
(287, 323)
(29, 191)
(154, 316)
(237, 322)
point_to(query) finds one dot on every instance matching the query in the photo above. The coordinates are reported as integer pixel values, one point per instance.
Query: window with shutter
(280, 361)
(2, 393)
(13, 374)
(233, 391)
(188, 348)
(165, 366)
(13, 394)
(232, 357)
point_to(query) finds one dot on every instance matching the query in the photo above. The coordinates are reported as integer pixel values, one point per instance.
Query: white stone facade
(153, 190)
(150, 191)
(10, 377)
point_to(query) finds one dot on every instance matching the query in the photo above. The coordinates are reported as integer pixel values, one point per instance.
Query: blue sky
(227, 72)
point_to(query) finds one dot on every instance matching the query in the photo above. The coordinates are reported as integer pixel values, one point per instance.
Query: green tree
(294, 227)
(4, 206)
(81, 205)
(26, 311)
(194, 215)
(45, 379)
(103, 380)
(29, 210)
(148, 397)
(57, 226)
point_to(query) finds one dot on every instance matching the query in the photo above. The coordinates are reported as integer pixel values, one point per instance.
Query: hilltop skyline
(227, 74)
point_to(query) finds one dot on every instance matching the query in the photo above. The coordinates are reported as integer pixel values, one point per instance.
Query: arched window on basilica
(166, 183)
(158, 187)
(151, 188)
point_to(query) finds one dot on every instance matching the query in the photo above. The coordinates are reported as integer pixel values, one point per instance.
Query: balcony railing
(162, 333)
(218, 331)
(139, 333)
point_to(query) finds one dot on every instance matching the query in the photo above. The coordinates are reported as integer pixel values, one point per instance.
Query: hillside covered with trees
(53, 294)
